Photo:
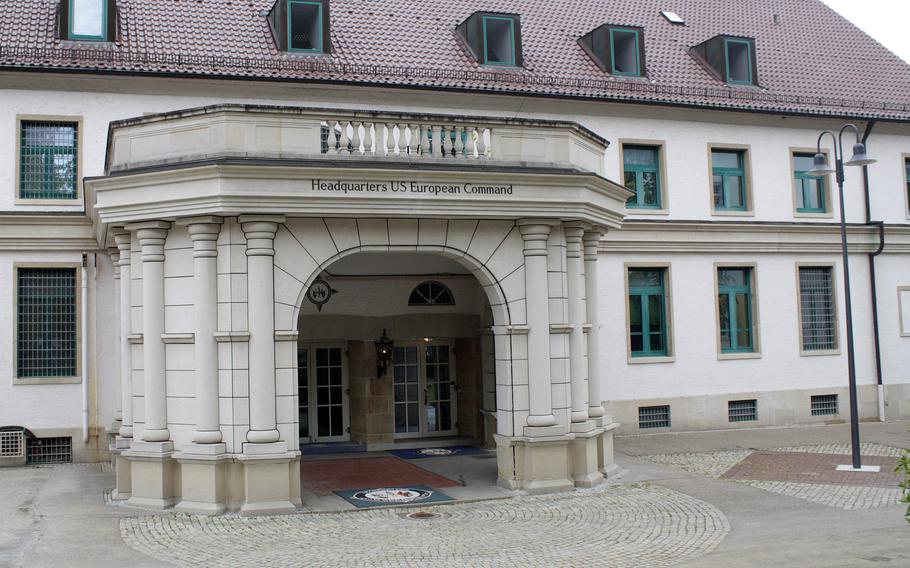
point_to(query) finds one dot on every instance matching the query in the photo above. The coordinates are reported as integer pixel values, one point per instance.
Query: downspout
(84, 353)
(880, 392)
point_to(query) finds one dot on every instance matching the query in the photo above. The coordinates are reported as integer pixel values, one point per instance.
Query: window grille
(824, 405)
(816, 308)
(50, 450)
(48, 166)
(431, 293)
(46, 322)
(742, 410)
(12, 444)
(654, 416)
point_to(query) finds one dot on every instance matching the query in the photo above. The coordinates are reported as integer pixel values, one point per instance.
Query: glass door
(322, 394)
(424, 390)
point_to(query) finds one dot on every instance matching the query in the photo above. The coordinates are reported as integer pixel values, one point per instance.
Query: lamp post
(820, 167)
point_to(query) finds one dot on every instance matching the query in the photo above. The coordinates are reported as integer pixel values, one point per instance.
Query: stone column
(204, 232)
(152, 236)
(535, 235)
(122, 238)
(576, 294)
(114, 253)
(260, 234)
(592, 304)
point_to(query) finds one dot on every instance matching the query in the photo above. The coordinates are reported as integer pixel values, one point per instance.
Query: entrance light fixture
(384, 347)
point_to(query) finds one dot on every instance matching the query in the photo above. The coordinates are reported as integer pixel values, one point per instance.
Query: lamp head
(820, 166)
(859, 156)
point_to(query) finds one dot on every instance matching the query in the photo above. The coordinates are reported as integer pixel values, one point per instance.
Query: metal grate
(46, 322)
(654, 416)
(12, 444)
(824, 405)
(47, 160)
(742, 410)
(50, 450)
(816, 308)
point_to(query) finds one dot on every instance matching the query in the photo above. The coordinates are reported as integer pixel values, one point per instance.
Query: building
(230, 229)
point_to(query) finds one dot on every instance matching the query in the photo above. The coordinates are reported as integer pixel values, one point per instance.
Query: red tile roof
(812, 61)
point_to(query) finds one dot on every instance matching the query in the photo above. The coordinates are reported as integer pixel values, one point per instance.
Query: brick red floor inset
(812, 468)
(323, 477)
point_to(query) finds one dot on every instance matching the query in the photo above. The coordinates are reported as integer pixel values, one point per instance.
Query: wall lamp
(384, 347)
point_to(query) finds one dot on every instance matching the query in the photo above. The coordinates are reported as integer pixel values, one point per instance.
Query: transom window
(624, 51)
(48, 166)
(738, 55)
(647, 312)
(88, 19)
(734, 308)
(304, 26)
(46, 326)
(729, 180)
(499, 40)
(641, 174)
(431, 293)
(817, 312)
(810, 191)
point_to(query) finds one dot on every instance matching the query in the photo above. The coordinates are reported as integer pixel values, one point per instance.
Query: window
(810, 191)
(492, 38)
(654, 416)
(46, 335)
(742, 410)
(817, 315)
(729, 180)
(907, 178)
(641, 174)
(739, 61)
(823, 404)
(90, 20)
(48, 167)
(618, 50)
(304, 26)
(647, 312)
(431, 293)
(734, 309)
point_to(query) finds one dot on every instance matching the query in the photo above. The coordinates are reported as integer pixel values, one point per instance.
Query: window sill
(820, 353)
(812, 215)
(651, 360)
(47, 380)
(733, 213)
(735, 356)
(74, 202)
(643, 211)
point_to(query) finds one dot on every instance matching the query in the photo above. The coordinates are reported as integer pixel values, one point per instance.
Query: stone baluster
(535, 234)
(425, 149)
(333, 137)
(344, 141)
(368, 138)
(592, 293)
(459, 142)
(481, 144)
(355, 138)
(260, 235)
(437, 141)
(576, 295)
(122, 238)
(390, 139)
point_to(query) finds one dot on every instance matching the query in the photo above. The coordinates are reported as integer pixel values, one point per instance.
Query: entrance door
(322, 392)
(424, 384)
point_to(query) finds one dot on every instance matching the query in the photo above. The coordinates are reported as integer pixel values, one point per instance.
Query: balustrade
(406, 139)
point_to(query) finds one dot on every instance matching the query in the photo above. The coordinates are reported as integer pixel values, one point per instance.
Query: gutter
(880, 387)
(84, 353)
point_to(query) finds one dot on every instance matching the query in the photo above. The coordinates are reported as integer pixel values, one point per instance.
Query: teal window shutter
(647, 312)
(734, 305)
(48, 166)
(810, 191)
(46, 326)
(729, 180)
(641, 174)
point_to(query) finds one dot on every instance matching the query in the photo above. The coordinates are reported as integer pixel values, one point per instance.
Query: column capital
(591, 242)
(574, 232)
(123, 238)
(114, 253)
(535, 233)
(151, 236)
(259, 231)
(204, 232)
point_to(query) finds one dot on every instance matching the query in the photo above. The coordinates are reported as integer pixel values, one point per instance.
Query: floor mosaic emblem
(383, 496)
(418, 453)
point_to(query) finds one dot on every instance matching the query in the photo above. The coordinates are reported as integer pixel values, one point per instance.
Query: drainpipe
(84, 355)
(872, 282)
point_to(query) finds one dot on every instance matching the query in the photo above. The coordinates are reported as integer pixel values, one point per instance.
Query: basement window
(301, 26)
(618, 50)
(654, 416)
(824, 405)
(493, 38)
(742, 410)
(730, 59)
(49, 450)
(88, 20)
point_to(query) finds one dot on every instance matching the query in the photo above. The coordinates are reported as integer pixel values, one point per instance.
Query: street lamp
(820, 167)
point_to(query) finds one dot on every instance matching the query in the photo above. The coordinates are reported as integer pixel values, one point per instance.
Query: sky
(888, 21)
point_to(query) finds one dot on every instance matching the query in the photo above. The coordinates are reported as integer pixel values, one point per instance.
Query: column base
(122, 475)
(151, 474)
(584, 459)
(203, 479)
(269, 471)
(605, 462)
(535, 465)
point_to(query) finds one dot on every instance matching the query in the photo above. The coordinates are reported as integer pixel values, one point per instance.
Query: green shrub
(903, 466)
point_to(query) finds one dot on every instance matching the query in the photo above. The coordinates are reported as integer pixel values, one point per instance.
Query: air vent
(654, 416)
(12, 444)
(742, 410)
(50, 450)
(824, 405)
(672, 17)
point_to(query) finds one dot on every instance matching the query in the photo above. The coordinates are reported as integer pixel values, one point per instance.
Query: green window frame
(486, 41)
(817, 308)
(46, 322)
(48, 160)
(642, 175)
(907, 172)
(648, 335)
(87, 37)
(614, 32)
(734, 310)
(810, 190)
(729, 180)
(748, 45)
(318, 42)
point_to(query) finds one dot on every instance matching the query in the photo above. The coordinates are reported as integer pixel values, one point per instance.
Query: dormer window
(493, 39)
(301, 26)
(618, 50)
(88, 20)
(731, 59)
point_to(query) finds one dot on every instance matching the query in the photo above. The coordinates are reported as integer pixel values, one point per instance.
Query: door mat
(385, 496)
(326, 476)
(421, 453)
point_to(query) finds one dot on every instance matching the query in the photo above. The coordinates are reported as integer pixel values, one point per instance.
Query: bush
(903, 466)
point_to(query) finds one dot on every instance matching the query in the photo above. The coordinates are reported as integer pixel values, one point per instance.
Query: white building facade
(198, 268)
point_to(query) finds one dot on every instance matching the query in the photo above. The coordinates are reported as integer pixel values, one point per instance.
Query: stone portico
(221, 218)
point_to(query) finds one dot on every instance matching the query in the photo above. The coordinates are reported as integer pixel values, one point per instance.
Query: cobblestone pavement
(627, 525)
(849, 497)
